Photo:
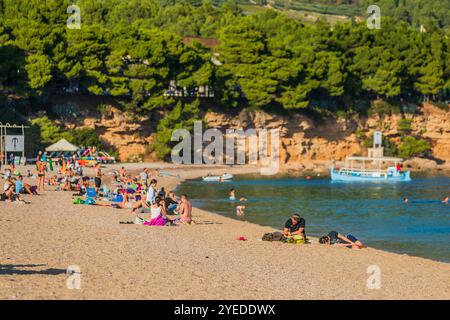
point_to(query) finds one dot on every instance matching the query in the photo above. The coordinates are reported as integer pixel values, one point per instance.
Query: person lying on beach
(295, 225)
(340, 240)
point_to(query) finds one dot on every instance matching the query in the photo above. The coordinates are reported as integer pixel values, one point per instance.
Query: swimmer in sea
(445, 200)
(405, 200)
(232, 195)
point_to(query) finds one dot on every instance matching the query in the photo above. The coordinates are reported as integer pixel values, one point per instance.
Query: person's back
(19, 186)
(185, 209)
(155, 212)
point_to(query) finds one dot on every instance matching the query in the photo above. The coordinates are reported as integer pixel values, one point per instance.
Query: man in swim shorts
(98, 177)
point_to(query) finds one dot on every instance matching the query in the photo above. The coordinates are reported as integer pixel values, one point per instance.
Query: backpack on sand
(273, 236)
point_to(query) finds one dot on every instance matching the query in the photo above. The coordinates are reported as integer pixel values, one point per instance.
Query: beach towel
(158, 221)
(78, 201)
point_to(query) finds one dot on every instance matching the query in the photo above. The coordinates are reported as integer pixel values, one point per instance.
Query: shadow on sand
(20, 269)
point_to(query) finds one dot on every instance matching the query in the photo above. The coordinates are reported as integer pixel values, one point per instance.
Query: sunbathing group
(14, 187)
(141, 195)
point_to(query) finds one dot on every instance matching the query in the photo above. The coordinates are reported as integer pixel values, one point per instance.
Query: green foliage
(133, 49)
(411, 146)
(404, 124)
(182, 116)
(383, 108)
(49, 131)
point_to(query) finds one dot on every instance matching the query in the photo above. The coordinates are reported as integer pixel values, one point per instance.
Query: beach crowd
(140, 194)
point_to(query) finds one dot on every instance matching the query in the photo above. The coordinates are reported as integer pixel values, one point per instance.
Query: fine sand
(39, 241)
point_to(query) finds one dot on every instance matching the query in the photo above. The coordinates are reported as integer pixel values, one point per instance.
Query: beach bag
(273, 236)
(296, 240)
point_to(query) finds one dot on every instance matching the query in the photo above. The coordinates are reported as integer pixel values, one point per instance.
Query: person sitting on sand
(156, 213)
(185, 210)
(122, 172)
(338, 239)
(8, 189)
(171, 203)
(151, 192)
(295, 225)
(22, 187)
(445, 200)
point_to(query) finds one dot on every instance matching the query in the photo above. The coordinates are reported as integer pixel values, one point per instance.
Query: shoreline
(315, 238)
(133, 262)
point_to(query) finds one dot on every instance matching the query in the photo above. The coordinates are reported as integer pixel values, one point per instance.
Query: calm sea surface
(373, 212)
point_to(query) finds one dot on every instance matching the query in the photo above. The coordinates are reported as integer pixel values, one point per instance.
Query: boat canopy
(385, 159)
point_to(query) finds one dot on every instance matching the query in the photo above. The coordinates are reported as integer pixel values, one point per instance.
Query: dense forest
(133, 50)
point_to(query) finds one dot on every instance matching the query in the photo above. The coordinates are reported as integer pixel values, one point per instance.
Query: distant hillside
(417, 12)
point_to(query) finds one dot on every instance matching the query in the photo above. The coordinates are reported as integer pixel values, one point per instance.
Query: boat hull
(218, 178)
(361, 177)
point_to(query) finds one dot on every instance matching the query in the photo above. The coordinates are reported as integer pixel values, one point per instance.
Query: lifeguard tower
(377, 151)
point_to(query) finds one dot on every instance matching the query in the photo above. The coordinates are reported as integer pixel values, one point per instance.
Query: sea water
(373, 212)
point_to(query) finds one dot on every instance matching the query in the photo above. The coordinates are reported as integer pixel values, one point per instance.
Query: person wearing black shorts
(98, 177)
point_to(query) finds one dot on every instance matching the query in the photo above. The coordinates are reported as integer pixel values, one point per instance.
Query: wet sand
(201, 261)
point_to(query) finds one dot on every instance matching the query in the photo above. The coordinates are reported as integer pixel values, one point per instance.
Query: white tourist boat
(375, 167)
(370, 169)
(223, 177)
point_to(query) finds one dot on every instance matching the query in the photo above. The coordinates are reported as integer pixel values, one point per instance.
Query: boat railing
(344, 170)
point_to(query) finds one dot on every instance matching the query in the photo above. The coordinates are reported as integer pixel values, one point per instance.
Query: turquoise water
(373, 212)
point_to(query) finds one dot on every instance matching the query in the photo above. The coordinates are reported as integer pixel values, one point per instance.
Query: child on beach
(240, 210)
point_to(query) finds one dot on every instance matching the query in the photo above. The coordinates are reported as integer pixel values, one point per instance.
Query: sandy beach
(39, 241)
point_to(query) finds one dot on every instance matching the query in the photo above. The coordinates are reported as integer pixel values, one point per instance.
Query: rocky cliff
(302, 138)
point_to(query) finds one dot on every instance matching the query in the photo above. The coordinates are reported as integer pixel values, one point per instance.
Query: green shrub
(411, 146)
(390, 148)
(182, 116)
(49, 131)
(404, 124)
(384, 108)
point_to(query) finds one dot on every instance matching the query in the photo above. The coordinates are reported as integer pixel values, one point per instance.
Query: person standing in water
(232, 195)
